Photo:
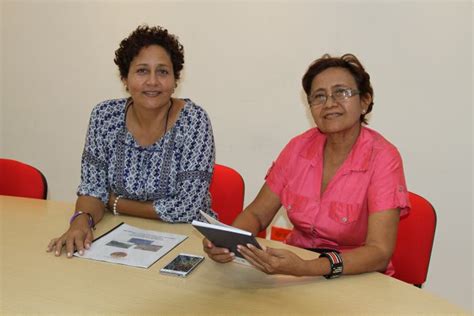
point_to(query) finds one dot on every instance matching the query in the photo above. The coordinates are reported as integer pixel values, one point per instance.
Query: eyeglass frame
(352, 92)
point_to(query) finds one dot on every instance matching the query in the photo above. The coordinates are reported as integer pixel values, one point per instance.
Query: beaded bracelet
(335, 260)
(114, 209)
(90, 218)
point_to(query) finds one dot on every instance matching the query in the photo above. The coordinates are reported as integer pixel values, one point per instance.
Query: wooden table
(34, 281)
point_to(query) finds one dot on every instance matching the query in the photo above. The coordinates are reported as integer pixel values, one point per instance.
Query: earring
(364, 111)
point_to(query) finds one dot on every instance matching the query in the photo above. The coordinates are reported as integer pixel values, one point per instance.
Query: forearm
(357, 261)
(182, 207)
(259, 214)
(125, 206)
(248, 221)
(379, 245)
(91, 205)
(365, 259)
(315, 267)
(361, 260)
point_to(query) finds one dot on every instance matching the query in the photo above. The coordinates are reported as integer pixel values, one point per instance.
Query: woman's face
(337, 116)
(150, 80)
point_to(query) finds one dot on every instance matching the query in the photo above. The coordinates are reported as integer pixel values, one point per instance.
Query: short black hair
(145, 36)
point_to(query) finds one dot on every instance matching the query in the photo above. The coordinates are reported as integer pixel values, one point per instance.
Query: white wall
(244, 63)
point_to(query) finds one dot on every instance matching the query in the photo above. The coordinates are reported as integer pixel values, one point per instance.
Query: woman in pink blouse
(341, 183)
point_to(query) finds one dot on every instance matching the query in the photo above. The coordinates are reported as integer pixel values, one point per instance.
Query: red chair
(416, 231)
(279, 233)
(19, 179)
(227, 193)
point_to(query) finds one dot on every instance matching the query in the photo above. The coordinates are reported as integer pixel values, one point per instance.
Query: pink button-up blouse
(370, 180)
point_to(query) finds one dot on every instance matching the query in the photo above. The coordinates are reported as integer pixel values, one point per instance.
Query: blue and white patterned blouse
(174, 172)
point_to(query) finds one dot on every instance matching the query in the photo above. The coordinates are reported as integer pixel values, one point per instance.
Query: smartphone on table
(182, 264)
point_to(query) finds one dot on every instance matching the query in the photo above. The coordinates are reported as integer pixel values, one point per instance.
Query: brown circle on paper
(118, 254)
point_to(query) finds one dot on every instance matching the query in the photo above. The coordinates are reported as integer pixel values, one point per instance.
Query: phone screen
(182, 264)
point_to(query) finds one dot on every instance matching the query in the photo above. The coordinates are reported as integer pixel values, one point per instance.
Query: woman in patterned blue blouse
(150, 155)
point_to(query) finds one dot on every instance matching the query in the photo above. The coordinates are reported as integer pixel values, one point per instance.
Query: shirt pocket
(344, 213)
(300, 209)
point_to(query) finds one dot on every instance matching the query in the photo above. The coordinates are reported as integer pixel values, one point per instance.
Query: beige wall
(244, 62)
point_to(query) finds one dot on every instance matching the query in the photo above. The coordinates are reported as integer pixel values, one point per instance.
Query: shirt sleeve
(277, 175)
(388, 189)
(194, 173)
(93, 163)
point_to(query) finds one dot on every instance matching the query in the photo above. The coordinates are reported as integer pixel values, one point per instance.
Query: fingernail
(69, 254)
(250, 246)
(81, 252)
(88, 246)
(232, 254)
(57, 253)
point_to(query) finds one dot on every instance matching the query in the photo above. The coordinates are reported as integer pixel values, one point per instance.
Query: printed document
(132, 246)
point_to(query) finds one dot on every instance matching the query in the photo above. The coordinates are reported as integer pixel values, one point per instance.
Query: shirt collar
(358, 159)
(314, 149)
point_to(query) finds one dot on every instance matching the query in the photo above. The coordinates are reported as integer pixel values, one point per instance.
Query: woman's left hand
(274, 261)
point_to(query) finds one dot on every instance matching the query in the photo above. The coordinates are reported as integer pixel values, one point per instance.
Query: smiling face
(337, 116)
(150, 80)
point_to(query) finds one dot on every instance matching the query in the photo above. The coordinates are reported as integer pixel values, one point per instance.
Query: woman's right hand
(77, 237)
(217, 254)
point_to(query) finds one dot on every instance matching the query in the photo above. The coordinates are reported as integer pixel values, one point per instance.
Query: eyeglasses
(338, 95)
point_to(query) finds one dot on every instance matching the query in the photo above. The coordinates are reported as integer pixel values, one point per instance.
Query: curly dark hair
(346, 61)
(145, 36)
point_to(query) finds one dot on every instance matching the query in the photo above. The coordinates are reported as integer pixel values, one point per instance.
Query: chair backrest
(227, 193)
(279, 233)
(19, 179)
(416, 231)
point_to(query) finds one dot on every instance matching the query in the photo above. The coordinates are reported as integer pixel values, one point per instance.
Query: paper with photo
(132, 246)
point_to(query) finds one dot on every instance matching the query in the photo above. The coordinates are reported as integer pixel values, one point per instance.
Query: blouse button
(344, 219)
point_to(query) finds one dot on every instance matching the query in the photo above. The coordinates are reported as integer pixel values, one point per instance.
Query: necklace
(130, 102)
(168, 115)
